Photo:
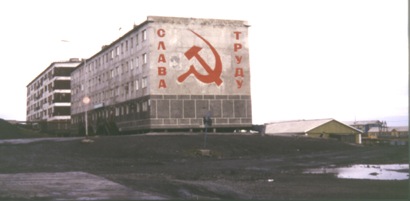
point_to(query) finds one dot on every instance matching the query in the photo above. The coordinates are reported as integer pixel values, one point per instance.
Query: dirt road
(172, 167)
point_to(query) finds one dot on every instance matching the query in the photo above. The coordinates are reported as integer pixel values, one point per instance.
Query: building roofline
(299, 120)
(51, 65)
(358, 130)
(151, 19)
(105, 47)
(325, 121)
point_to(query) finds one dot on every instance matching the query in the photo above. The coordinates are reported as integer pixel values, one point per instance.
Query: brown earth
(239, 166)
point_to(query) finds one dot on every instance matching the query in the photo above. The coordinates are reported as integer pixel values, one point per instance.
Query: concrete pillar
(359, 138)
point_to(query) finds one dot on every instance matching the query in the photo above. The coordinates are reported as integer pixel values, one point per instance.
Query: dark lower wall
(187, 111)
(170, 112)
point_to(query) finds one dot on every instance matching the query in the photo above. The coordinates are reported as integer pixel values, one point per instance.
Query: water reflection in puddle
(361, 171)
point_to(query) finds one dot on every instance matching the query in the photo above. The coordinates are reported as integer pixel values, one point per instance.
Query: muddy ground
(172, 167)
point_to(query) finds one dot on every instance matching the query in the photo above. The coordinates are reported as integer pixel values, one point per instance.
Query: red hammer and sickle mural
(214, 75)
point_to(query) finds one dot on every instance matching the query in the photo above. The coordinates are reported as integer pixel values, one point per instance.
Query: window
(131, 42)
(117, 111)
(145, 106)
(123, 68)
(131, 86)
(122, 48)
(144, 56)
(126, 87)
(137, 61)
(118, 51)
(112, 54)
(136, 85)
(136, 40)
(144, 35)
(132, 64)
(144, 82)
(126, 45)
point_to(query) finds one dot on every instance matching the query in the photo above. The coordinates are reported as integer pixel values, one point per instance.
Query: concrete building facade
(167, 74)
(49, 97)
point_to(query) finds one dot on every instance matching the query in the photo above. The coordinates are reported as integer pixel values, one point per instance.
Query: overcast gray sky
(309, 59)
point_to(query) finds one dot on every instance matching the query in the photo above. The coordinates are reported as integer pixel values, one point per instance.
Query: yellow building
(389, 132)
(319, 128)
(399, 132)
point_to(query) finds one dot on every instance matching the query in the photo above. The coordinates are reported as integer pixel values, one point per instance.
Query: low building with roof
(320, 128)
(397, 135)
(368, 126)
(390, 132)
(399, 131)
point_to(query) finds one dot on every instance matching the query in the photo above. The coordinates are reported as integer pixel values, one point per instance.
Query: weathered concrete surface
(66, 186)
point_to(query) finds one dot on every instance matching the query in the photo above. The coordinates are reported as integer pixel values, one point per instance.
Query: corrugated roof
(363, 123)
(399, 128)
(390, 129)
(297, 126)
(373, 130)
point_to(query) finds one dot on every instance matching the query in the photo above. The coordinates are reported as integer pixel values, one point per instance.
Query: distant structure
(398, 135)
(166, 74)
(318, 128)
(366, 126)
(378, 132)
(49, 97)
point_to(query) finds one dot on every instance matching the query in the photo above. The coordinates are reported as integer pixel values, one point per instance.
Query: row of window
(118, 111)
(46, 113)
(96, 77)
(63, 84)
(39, 83)
(57, 71)
(60, 98)
(116, 51)
(124, 91)
(120, 91)
(131, 64)
(126, 67)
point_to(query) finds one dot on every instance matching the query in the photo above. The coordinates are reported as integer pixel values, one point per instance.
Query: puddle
(362, 171)
(32, 140)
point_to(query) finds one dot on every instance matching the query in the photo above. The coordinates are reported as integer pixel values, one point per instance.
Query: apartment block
(166, 74)
(49, 97)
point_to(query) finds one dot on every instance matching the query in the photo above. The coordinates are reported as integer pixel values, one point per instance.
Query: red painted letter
(162, 84)
(237, 46)
(239, 72)
(161, 44)
(237, 34)
(161, 33)
(238, 59)
(239, 83)
(161, 58)
(162, 71)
